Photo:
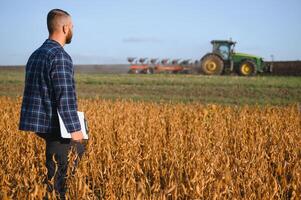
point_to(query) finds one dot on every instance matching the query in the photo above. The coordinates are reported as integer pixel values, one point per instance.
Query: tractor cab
(224, 48)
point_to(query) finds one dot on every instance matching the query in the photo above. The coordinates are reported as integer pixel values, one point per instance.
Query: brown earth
(287, 68)
(292, 68)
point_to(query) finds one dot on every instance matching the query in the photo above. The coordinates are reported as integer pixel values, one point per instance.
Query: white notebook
(83, 124)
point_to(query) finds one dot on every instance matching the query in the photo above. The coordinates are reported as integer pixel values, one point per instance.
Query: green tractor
(223, 59)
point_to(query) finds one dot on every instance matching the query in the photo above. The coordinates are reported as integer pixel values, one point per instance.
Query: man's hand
(77, 136)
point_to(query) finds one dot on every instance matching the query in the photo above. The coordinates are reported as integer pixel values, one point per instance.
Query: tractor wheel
(212, 65)
(247, 68)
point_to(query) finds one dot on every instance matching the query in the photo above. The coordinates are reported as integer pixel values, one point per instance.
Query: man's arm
(64, 89)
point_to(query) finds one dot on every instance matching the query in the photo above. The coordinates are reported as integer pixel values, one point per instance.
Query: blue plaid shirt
(49, 86)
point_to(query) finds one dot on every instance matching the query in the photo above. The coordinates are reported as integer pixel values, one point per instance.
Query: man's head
(59, 23)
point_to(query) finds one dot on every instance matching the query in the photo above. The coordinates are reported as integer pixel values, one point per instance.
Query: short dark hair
(52, 17)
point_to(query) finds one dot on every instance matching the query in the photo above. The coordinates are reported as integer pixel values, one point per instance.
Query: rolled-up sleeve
(64, 89)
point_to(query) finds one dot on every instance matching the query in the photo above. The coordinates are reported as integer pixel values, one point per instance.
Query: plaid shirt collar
(50, 41)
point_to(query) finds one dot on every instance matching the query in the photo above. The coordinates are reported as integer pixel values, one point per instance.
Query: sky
(109, 31)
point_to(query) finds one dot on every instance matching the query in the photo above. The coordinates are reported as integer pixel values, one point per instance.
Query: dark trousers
(57, 151)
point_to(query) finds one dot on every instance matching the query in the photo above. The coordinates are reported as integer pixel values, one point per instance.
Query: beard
(69, 37)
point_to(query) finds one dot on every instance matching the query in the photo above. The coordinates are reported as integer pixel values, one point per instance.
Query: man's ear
(65, 29)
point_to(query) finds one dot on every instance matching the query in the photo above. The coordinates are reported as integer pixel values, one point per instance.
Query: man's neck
(58, 39)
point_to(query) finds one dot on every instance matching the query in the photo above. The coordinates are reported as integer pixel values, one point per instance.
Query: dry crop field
(145, 150)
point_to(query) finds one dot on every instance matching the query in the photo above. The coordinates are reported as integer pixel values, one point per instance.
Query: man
(50, 87)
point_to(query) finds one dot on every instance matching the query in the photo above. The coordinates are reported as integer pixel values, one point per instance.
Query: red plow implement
(154, 65)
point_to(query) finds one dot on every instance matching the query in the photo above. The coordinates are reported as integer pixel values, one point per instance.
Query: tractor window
(224, 51)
